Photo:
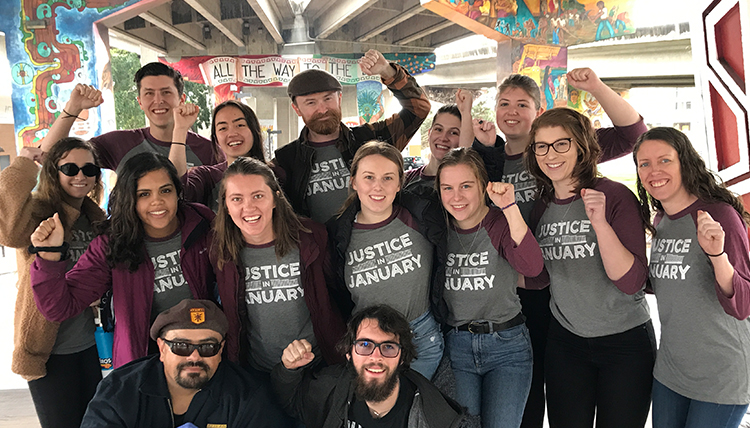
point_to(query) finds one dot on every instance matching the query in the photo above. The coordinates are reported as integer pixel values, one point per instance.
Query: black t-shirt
(398, 417)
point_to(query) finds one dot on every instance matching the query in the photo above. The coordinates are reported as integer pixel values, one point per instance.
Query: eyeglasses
(561, 146)
(185, 349)
(71, 169)
(366, 347)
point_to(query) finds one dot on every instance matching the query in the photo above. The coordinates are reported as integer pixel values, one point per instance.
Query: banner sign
(274, 70)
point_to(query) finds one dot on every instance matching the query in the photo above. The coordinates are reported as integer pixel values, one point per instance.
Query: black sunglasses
(71, 169)
(185, 349)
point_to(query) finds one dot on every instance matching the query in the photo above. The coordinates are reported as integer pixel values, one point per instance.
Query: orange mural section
(558, 22)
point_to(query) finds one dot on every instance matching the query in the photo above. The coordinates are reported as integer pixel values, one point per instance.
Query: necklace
(458, 236)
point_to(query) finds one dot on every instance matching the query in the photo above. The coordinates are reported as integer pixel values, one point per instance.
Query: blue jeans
(493, 373)
(429, 343)
(672, 410)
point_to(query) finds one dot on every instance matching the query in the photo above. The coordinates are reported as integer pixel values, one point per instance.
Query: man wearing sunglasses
(187, 383)
(376, 388)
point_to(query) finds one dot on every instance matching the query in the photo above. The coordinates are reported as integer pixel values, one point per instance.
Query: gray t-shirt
(416, 178)
(584, 300)
(480, 272)
(390, 263)
(524, 183)
(275, 300)
(170, 286)
(704, 352)
(77, 333)
(329, 182)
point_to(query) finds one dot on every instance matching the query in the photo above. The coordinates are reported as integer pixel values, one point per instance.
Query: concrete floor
(16, 407)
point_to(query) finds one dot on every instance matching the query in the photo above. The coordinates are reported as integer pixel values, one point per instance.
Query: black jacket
(136, 395)
(423, 205)
(293, 162)
(321, 399)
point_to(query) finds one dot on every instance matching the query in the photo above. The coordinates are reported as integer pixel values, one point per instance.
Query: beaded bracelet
(507, 206)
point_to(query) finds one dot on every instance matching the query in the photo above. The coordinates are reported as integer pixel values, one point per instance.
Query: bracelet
(70, 115)
(715, 255)
(507, 206)
(179, 144)
(62, 249)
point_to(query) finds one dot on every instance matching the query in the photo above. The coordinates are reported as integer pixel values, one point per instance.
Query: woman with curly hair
(700, 274)
(153, 253)
(59, 360)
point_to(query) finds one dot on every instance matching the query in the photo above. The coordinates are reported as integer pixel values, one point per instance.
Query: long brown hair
(697, 179)
(579, 128)
(368, 149)
(49, 191)
(228, 241)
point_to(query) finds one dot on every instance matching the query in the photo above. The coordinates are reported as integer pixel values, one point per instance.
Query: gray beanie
(312, 81)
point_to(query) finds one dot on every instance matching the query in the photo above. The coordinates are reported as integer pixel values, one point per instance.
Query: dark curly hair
(123, 227)
(697, 179)
(390, 321)
(579, 128)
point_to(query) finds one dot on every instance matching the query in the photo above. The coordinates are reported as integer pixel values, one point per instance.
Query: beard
(325, 124)
(374, 390)
(193, 380)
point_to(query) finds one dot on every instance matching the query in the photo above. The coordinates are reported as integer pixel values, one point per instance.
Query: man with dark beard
(376, 388)
(187, 383)
(314, 169)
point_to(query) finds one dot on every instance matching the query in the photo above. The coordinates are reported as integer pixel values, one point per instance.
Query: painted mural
(51, 48)
(558, 22)
(370, 101)
(547, 65)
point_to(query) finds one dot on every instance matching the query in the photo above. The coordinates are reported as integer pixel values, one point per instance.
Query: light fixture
(206, 32)
(245, 28)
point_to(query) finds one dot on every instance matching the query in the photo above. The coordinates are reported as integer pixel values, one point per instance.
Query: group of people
(331, 284)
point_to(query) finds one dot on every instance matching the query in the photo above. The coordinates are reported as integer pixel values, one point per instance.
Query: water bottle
(104, 341)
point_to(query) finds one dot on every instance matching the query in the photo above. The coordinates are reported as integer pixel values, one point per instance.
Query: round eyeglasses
(366, 347)
(561, 146)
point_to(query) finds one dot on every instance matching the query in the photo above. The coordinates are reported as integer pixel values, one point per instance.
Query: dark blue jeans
(607, 375)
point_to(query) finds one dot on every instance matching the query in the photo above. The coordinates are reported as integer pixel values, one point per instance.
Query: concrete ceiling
(263, 27)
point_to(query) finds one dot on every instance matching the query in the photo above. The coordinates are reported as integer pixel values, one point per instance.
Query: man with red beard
(314, 169)
(376, 388)
(187, 383)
